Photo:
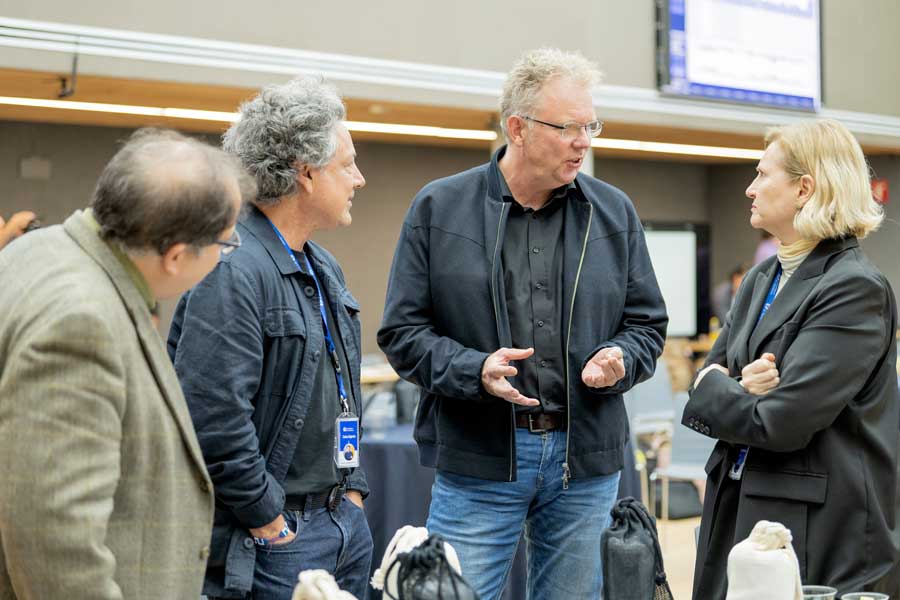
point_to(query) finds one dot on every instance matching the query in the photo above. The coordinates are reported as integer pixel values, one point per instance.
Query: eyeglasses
(571, 130)
(228, 246)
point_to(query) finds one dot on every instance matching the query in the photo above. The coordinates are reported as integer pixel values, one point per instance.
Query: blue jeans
(484, 519)
(339, 542)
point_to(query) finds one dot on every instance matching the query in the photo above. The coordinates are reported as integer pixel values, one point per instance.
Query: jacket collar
(134, 273)
(815, 263)
(82, 231)
(261, 228)
(791, 295)
(498, 190)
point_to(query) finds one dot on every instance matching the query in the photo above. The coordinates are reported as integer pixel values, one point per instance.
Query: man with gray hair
(268, 352)
(104, 490)
(525, 260)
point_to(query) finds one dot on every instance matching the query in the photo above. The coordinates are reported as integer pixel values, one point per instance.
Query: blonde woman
(800, 388)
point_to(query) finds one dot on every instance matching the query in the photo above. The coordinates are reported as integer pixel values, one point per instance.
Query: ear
(806, 190)
(515, 129)
(304, 177)
(174, 258)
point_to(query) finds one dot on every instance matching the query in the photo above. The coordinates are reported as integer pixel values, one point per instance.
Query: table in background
(400, 493)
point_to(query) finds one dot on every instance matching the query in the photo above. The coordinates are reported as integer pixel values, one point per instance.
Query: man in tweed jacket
(103, 489)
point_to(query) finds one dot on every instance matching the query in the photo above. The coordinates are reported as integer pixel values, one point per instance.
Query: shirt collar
(560, 192)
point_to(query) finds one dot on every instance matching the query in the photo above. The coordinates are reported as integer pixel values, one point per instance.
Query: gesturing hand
(496, 369)
(761, 376)
(605, 368)
(15, 226)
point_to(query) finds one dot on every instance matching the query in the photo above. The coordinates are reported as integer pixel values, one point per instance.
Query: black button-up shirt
(313, 468)
(532, 257)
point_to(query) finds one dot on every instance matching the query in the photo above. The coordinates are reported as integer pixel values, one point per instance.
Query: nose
(360, 180)
(582, 140)
(750, 192)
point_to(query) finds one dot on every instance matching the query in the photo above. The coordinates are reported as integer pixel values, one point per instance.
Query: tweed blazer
(103, 489)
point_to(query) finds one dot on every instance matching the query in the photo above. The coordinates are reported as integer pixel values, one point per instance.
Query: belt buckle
(335, 495)
(531, 427)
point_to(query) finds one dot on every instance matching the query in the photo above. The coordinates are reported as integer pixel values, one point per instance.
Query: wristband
(285, 531)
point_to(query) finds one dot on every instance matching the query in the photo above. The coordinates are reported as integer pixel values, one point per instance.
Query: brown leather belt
(541, 422)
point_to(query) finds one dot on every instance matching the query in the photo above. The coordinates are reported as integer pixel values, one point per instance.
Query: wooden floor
(679, 550)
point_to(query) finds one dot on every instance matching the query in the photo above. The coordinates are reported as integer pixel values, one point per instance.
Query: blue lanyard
(770, 297)
(329, 341)
(737, 469)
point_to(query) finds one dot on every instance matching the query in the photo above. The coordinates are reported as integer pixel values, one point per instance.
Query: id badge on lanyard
(346, 426)
(346, 441)
(737, 469)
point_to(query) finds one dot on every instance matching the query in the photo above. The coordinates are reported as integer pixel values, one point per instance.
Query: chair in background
(649, 404)
(690, 451)
(379, 410)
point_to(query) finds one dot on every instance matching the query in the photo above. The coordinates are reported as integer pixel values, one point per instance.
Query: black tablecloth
(400, 493)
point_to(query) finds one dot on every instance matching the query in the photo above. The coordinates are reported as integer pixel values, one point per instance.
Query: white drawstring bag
(405, 539)
(764, 565)
(318, 584)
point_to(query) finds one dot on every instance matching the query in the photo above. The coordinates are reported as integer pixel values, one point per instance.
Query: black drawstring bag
(424, 574)
(632, 560)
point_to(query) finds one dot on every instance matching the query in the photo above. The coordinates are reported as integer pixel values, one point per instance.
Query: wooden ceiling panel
(89, 88)
(77, 117)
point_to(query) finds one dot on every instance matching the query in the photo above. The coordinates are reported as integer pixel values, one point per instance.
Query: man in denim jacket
(264, 381)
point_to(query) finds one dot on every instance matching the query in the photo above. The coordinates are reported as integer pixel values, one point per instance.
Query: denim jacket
(246, 359)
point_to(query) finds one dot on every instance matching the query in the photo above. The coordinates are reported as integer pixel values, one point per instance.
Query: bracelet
(285, 531)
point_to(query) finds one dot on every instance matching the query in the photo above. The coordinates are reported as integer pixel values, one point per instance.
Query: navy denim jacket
(246, 361)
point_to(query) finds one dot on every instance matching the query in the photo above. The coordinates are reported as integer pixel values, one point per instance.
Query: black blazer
(824, 443)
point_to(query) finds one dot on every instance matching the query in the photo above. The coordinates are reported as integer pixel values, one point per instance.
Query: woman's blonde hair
(842, 202)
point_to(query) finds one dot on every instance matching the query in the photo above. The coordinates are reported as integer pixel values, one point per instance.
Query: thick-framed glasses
(228, 246)
(571, 130)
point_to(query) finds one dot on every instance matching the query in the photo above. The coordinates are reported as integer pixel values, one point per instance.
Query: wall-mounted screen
(764, 52)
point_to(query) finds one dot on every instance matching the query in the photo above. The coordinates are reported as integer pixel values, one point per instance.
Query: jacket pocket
(350, 303)
(784, 497)
(281, 321)
(285, 355)
(351, 306)
(801, 487)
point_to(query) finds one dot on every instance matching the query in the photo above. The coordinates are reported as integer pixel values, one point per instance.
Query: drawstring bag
(318, 584)
(764, 565)
(632, 560)
(424, 573)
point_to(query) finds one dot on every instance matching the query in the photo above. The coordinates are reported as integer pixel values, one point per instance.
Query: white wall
(860, 41)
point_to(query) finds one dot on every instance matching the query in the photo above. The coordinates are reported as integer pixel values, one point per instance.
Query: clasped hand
(758, 377)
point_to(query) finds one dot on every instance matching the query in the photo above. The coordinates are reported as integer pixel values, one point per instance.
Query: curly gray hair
(533, 70)
(286, 125)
